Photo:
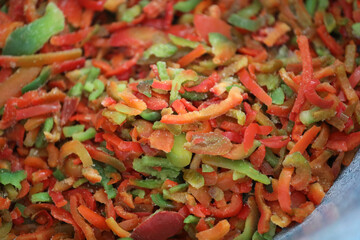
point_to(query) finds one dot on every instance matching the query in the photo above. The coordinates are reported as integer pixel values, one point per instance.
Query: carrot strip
(284, 189)
(306, 140)
(191, 56)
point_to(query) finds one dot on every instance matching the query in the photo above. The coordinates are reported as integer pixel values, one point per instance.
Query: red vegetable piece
(206, 24)
(160, 226)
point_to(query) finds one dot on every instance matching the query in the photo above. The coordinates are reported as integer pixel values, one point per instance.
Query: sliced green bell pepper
(47, 127)
(40, 197)
(194, 178)
(148, 183)
(146, 164)
(38, 82)
(244, 23)
(13, 178)
(68, 131)
(161, 50)
(150, 115)
(186, 6)
(179, 156)
(251, 221)
(161, 66)
(83, 136)
(183, 42)
(30, 38)
(76, 90)
(240, 166)
(160, 201)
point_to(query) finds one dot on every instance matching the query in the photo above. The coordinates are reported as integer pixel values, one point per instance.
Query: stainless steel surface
(338, 216)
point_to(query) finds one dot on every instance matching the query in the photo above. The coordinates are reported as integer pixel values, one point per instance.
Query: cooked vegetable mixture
(173, 119)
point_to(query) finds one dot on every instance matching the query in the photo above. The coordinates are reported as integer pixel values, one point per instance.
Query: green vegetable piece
(240, 166)
(307, 117)
(194, 96)
(356, 29)
(180, 78)
(271, 81)
(161, 50)
(179, 156)
(266, 236)
(251, 221)
(182, 42)
(131, 13)
(5, 229)
(287, 90)
(83, 136)
(160, 201)
(47, 127)
(277, 96)
(244, 23)
(109, 189)
(329, 21)
(144, 87)
(161, 66)
(310, 6)
(58, 175)
(138, 193)
(271, 158)
(38, 82)
(194, 178)
(251, 10)
(114, 116)
(146, 164)
(206, 168)
(150, 115)
(79, 182)
(21, 208)
(41, 197)
(179, 188)
(191, 219)
(76, 90)
(99, 89)
(173, 128)
(4, 8)
(237, 175)
(94, 72)
(186, 6)
(143, 3)
(222, 47)
(11, 192)
(68, 131)
(149, 183)
(322, 5)
(125, 238)
(30, 38)
(2, 109)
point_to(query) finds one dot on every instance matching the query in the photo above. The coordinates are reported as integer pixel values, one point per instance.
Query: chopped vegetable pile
(181, 119)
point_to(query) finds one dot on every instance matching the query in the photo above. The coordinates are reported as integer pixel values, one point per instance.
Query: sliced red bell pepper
(275, 142)
(205, 85)
(207, 24)
(121, 144)
(37, 110)
(254, 88)
(312, 96)
(93, 4)
(153, 103)
(265, 212)
(284, 189)
(230, 210)
(329, 41)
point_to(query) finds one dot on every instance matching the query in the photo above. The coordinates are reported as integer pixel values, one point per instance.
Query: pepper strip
(265, 212)
(76, 147)
(305, 140)
(39, 60)
(284, 189)
(234, 98)
(254, 88)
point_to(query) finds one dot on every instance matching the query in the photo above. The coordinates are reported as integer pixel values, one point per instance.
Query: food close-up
(173, 119)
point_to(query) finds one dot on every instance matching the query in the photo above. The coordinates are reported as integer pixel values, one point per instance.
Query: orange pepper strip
(38, 60)
(78, 148)
(112, 224)
(191, 56)
(215, 233)
(305, 140)
(284, 189)
(278, 31)
(86, 228)
(254, 88)
(316, 193)
(12, 86)
(234, 98)
(92, 217)
(265, 211)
